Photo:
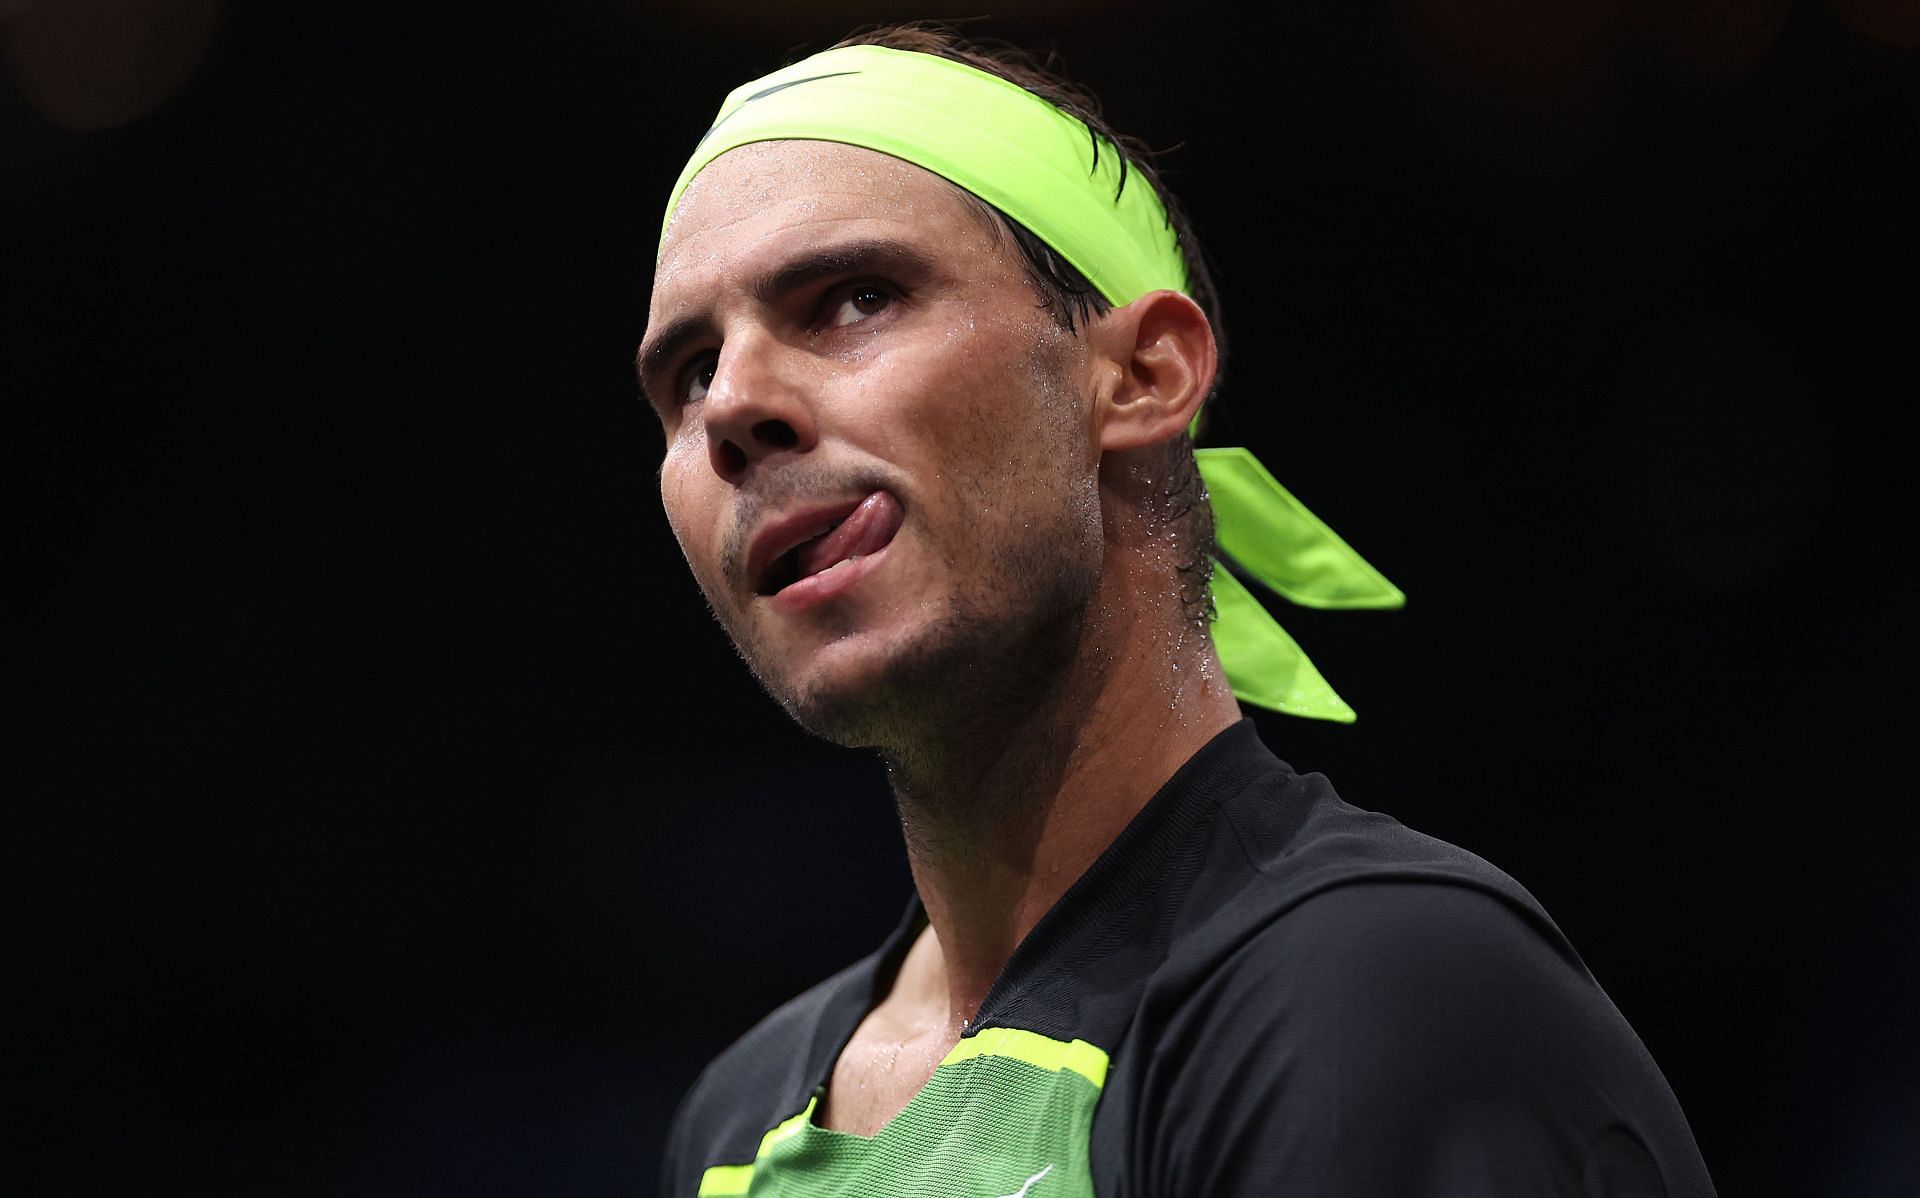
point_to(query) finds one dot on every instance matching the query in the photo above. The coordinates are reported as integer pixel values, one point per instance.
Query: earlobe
(1163, 354)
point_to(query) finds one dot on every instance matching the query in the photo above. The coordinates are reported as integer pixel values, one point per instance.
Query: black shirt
(1288, 995)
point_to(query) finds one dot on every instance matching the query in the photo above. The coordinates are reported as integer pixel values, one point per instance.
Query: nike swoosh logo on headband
(764, 92)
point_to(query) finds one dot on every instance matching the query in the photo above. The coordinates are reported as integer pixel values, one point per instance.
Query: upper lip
(779, 534)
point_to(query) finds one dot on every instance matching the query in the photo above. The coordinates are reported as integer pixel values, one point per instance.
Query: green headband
(1045, 170)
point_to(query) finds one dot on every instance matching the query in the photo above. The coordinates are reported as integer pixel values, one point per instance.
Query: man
(927, 350)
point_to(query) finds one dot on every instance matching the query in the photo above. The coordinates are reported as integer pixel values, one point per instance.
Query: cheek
(682, 500)
(976, 382)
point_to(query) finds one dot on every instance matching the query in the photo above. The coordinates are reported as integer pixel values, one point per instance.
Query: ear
(1156, 358)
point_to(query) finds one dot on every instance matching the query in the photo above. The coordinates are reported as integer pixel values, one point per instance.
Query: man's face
(857, 353)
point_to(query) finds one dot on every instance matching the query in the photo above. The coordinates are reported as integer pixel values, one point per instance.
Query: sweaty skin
(1012, 641)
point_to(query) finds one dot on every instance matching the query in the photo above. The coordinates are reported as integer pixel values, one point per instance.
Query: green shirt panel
(1008, 1113)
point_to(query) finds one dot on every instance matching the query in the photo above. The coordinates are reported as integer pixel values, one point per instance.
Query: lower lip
(828, 585)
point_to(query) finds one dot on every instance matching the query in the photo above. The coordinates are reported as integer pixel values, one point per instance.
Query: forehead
(770, 199)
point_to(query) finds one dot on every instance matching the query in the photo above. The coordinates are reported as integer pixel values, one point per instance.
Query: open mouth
(868, 528)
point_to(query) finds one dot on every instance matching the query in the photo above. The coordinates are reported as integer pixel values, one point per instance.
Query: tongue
(867, 530)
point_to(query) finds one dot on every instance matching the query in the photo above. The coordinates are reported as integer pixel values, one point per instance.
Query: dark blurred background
(385, 815)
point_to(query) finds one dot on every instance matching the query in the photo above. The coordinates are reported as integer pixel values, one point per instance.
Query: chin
(860, 694)
(926, 683)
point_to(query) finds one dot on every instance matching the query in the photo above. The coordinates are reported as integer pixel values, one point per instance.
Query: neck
(1002, 815)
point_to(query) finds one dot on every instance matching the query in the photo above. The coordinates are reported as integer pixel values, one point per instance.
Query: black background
(386, 815)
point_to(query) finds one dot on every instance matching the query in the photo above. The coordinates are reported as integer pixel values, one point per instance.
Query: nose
(756, 406)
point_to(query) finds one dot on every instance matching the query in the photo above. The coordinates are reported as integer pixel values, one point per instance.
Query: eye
(696, 377)
(862, 300)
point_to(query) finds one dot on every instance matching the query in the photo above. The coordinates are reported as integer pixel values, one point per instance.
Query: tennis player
(929, 343)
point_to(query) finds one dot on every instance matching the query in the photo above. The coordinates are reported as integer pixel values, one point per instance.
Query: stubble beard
(1007, 636)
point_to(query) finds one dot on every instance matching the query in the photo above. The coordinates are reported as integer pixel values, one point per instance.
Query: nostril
(732, 458)
(777, 433)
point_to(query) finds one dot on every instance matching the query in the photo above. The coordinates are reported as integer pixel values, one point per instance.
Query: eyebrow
(882, 254)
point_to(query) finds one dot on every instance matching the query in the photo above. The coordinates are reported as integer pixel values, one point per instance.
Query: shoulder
(1404, 1035)
(1427, 987)
(1347, 921)
(1318, 859)
(1407, 975)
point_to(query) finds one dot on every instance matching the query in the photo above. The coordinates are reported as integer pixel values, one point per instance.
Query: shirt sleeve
(673, 1154)
(1409, 1039)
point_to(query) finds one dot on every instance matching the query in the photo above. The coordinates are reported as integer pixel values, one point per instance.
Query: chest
(1004, 1114)
(877, 1074)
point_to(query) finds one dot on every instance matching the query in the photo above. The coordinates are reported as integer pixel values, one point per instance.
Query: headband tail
(1277, 540)
(1264, 665)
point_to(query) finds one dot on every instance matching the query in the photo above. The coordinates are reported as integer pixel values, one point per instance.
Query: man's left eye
(862, 301)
